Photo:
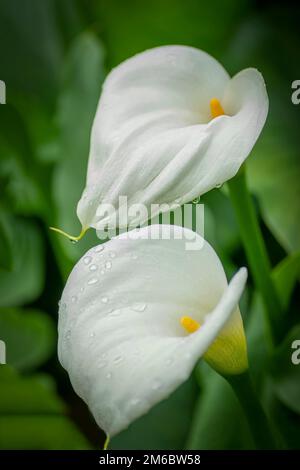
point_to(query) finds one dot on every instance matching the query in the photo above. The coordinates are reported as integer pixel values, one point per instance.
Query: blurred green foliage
(54, 57)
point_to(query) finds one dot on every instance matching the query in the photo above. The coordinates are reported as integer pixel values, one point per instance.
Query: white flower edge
(153, 121)
(120, 337)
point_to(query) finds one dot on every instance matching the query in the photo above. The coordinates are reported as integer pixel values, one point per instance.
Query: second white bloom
(137, 314)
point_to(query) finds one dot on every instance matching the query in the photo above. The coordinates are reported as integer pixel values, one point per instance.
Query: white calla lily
(137, 314)
(171, 125)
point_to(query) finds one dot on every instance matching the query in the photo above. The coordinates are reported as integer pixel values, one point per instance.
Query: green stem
(257, 420)
(256, 252)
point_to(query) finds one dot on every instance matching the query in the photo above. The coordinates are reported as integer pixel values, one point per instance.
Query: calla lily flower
(137, 314)
(170, 125)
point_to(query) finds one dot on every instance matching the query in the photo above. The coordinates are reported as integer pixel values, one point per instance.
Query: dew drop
(197, 200)
(93, 267)
(99, 248)
(156, 385)
(82, 289)
(139, 307)
(92, 334)
(92, 281)
(68, 334)
(118, 360)
(134, 402)
(108, 264)
(112, 254)
(104, 300)
(74, 299)
(87, 259)
(115, 313)
(102, 271)
(219, 185)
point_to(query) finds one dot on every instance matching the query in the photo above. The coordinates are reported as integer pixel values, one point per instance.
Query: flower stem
(256, 252)
(257, 420)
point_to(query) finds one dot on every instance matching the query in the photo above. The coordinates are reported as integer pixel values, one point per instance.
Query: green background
(54, 55)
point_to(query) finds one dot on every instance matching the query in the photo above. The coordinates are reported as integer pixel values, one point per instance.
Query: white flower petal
(153, 139)
(120, 337)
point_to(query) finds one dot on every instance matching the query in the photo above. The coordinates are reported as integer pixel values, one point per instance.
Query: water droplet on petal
(104, 300)
(139, 307)
(118, 360)
(99, 248)
(92, 334)
(134, 402)
(197, 200)
(92, 281)
(102, 271)
(108, 264)
(219, 185)
(115, 313)
(74, 299)
(112, 254)
(68, 335)
(87, 259)
(93, 267)
(156, 385)
(82, 289)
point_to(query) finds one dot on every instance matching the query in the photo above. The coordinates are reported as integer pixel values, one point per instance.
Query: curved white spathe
(120, 337)
(154, 139)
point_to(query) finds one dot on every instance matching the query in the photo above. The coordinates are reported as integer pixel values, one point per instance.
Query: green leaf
(286, 375)
(26, 279)
(25, 396)
(41, 432)
(285, 276)
(29, 335)
(22, 181)
(274, 165)
(77, 106)
(5, 247)
(217, 417)
(30, 42)
(32, 416)
(157, 23)
(165, 426)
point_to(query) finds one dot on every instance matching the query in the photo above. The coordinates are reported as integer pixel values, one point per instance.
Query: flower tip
(72, 238)
(242, 274)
